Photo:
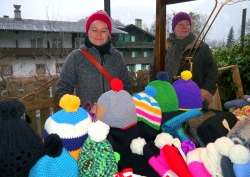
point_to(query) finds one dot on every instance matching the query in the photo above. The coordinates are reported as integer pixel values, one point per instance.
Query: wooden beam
(168, 2)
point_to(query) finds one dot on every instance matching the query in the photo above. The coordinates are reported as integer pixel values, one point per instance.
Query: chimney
(138, 23)
(5, 16)
(17, 12)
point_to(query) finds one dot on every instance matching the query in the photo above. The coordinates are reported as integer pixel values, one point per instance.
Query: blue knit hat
(56, 162)
(70, 123)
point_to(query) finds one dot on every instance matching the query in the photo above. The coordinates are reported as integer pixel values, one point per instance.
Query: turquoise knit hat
(166, 95)
(97, 157)
(56, 162)
(70, 123)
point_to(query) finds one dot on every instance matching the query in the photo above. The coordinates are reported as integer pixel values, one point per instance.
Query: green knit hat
(166, 95)
(97, 157)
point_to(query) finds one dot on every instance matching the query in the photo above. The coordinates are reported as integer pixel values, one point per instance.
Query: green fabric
(97, 159)
(166, 95)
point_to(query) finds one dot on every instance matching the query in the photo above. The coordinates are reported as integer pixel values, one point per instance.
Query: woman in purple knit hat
(178, 45)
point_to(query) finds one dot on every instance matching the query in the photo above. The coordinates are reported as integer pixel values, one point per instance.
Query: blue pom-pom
(150, 90)
(163, 76)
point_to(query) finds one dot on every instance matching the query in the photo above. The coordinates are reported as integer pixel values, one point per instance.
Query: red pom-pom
(116, 84)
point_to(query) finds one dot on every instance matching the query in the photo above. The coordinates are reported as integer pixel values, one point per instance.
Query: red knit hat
(99, 15)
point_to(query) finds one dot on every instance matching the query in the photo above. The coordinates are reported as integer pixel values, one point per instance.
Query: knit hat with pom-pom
(147, 108)
(56, 162)
(166, 95)
(188, 92)
(120, 107)
(97, 157)
(20, 146)
(70, 123)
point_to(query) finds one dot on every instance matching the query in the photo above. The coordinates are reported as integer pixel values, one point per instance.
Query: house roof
(12, 24)
(136, 27)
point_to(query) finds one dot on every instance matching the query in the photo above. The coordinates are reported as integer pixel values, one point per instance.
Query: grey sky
(127, 11)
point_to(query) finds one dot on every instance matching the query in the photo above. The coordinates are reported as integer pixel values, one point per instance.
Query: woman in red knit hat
(80, 74)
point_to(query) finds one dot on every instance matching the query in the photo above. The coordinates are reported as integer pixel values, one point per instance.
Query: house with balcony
(137, 46)
(38, 48)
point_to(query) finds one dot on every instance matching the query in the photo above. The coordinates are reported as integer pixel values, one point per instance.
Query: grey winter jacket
(89, 83)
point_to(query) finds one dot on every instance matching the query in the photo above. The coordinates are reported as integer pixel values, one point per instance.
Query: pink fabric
(198, 169)
(151, 117)
(160, 165)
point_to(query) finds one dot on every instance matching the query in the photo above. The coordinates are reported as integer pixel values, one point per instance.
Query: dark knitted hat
(213, 128)
(191, 125)
(188, 92)
(179, 17)
(100, 15)
(20, 146)
(166, 95)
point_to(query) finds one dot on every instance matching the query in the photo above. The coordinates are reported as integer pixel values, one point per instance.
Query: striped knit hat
(120, 107)
(147, 108)
(188, 92)
(70, 124)
(166, 95)
(97, 157)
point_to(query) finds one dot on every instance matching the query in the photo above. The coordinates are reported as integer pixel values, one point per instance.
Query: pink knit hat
(100, 15)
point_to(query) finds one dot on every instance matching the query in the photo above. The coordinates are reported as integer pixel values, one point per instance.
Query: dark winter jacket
(205, 70)
(89, 83)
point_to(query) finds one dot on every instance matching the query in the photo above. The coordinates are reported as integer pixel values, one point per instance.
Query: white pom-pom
(137, 145)
(239, 154)
(98, 131)
(223, 145)
(162, 139)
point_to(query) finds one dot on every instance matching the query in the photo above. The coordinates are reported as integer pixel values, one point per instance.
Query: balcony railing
(135, 44)
(16, 52)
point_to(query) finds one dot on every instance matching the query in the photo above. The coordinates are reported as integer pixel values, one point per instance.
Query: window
(40, 69)
(123, 54)
(145, 39)
(78, 42)
(120, 38)
(36, 43)
(127, 38)
(57, 43)
(59, 67)
(143, 67)
(145, 54)
(132, 38)
(131, 68)
(134, 54)
(6, 70)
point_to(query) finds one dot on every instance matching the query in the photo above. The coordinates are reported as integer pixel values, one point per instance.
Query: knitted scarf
(102, 49)
(174, 56)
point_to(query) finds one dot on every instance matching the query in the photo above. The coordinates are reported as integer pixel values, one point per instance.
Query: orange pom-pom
(116, 84)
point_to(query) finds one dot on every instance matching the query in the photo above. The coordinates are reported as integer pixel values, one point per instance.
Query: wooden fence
(38, 97)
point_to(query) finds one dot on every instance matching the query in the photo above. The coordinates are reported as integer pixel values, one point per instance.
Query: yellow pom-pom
(186, 75)
(70, 103)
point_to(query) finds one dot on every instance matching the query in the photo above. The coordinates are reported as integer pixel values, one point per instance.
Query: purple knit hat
(188, 92)
(179, 17)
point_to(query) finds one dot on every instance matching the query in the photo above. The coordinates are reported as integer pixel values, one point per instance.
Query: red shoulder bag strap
(97, 65)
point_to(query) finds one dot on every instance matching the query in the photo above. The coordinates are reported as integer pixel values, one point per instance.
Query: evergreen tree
(230, 38)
